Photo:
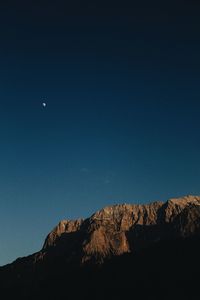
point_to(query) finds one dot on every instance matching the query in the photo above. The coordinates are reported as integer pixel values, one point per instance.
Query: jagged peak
(64, 226)
(111, 211)
(124, 207)
(185, 200)
(67, 226)
(175, 205)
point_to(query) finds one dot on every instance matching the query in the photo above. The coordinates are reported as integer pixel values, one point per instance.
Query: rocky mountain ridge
(147, 251)
(123, 228)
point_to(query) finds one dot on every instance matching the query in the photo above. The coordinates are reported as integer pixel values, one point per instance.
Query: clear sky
(121, 124)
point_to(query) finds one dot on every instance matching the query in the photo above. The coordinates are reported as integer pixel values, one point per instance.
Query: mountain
(121, 239)
(120, 229)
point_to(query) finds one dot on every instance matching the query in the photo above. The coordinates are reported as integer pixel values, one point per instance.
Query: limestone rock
(65, 226)
(174, 206)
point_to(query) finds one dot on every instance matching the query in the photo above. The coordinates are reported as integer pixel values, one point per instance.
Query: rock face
(108, 229)
(124, 228)
(64, 226)
(176, 205)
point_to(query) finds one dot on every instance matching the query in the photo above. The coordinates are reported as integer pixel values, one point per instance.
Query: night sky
(121, 83)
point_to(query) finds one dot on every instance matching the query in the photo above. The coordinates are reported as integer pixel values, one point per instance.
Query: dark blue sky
(121, 83)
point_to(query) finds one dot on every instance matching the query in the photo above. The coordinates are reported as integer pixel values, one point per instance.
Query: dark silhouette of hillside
(167, 270)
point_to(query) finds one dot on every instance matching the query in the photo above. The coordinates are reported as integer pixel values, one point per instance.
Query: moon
(44, 104)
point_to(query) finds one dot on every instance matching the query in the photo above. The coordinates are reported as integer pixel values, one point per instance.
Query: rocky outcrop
(175, 206)
(187, 223)
(65, 226)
